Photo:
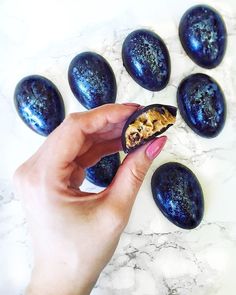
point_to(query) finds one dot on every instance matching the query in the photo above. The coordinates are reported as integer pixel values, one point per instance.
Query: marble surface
(153, 257)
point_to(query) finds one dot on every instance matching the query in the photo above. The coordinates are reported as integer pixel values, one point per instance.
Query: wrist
(60, 280)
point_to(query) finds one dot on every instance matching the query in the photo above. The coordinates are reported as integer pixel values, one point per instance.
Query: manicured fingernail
(132, 104)
(154, 149)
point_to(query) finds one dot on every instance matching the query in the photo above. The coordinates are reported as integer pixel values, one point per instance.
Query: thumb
(132, 171)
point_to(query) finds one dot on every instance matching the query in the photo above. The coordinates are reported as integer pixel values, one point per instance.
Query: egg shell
(146, 58)
(92, 80)
(202, 104)
(203, 35)
(178, 194)
(39, 104)
(135, 115)
(103, 172)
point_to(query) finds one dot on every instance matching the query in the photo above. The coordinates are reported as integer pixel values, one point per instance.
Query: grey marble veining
(150, 255)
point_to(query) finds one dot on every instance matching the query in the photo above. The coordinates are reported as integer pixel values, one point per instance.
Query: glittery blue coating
(178, 194)
(39, 104)
(92, 80)
(202, 104)
(103, 172)
(146, 58)
(203, 35)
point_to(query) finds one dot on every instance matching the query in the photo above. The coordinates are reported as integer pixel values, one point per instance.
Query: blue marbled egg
(39, 104)
(202, 105)
(92, 80)
(178, 194)
(203, 35)
(103, 172)
(146, 58)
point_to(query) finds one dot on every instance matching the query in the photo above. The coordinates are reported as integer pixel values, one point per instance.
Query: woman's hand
(76, 233)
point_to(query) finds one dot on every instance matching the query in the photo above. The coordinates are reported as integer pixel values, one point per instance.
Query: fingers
(114, 131)
(74, 136)
(131, 173)
(98, 119)
(96, 152)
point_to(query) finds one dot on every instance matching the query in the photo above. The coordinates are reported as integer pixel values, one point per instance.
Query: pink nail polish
(154, 149)
(132, 104)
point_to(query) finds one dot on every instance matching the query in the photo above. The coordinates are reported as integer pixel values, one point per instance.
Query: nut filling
(147, 124)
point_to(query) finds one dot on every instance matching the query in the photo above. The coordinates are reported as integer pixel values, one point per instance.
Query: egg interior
(147, 124)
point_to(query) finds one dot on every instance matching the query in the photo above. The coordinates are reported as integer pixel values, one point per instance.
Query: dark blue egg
(178, 194)
(39, 104)
(92, 80)
(103, 172)
(202, 105)
(203, 35)
(146, 58)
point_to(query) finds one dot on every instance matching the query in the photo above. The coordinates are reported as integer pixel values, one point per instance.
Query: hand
(76, 233)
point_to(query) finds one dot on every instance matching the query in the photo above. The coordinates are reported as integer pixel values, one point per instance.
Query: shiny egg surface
(203, 35)
(146, 58)
(92, 80)
(178, 194)
(202, 104)
(39, 104)
(103, 172)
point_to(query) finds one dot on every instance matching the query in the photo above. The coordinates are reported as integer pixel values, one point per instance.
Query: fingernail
(154, 149)
(132, 104)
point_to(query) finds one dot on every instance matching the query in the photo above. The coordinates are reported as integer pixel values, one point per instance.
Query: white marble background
(154, 257)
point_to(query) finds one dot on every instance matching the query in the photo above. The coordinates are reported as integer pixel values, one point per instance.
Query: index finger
(74, 136)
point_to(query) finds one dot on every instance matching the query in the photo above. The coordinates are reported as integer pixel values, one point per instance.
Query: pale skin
(75, 233)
